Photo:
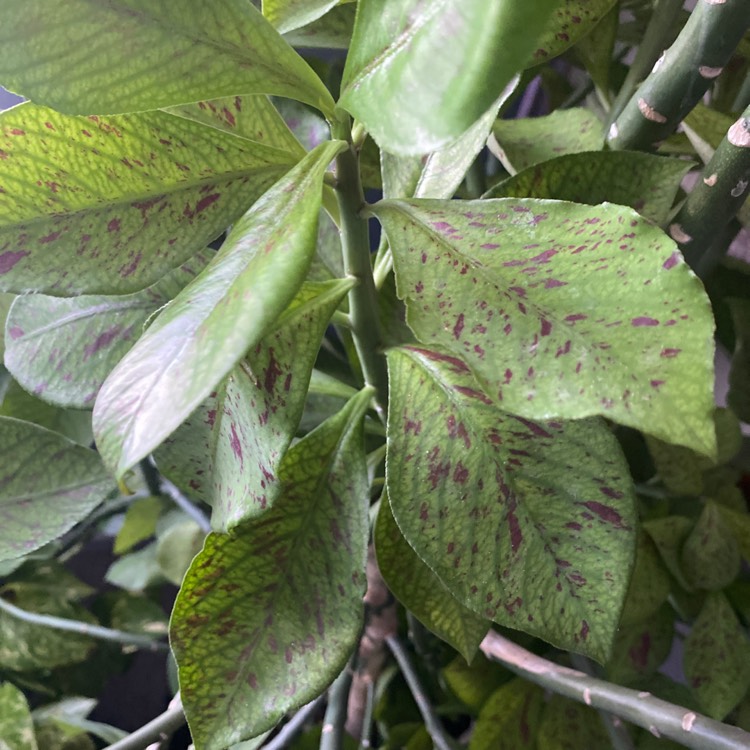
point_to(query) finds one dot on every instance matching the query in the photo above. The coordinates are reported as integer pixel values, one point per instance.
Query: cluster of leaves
(512, 400)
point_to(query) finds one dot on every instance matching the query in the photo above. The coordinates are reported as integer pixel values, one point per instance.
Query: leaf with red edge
(561, 310)
(531, 524)
(268, 615)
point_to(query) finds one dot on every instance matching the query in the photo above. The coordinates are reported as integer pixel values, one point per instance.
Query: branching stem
(162, 726)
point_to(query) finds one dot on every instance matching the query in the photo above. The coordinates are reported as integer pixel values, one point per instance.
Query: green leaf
(196, 341)
(473, 684)
(16, 725)
(49, 580)
(331, 31)
(717, 658)
(561, 310)
(228, 451)
(136, 570)
(520, 144)
(70, 714)
(139, 524)
(135, 613)
(669, 534)
(596, 49)
(421, 591)
(122, 200)
(47, 485)
(287, 15)
(644, 182)
(439, 68)
(649, 584)
(567, 725)
(739, 372)
(739, 523)
(710, 555)
(530, 524)
(63, 348)
(140, 55)
(510, 718)
(268, 615)
(177, 548)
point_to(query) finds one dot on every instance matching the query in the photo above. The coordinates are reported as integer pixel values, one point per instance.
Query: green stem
(715, 199)
(659, 33)
(161, 727)
(659, 717)
(332, 734)
(355, 242)
(683, 75)
(440, 737)
(83, 628)
(364, 740)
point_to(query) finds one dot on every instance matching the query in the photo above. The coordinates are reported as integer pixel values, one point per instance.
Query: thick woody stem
(682, 75)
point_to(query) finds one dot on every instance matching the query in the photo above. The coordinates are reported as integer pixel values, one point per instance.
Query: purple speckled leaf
(561, 310)
(268, 615)
(61, 349)
(108, 205)
(531, 524)
(227, 453)
(47, 484)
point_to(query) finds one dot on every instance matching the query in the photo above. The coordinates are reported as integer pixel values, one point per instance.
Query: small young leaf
(16, 725)
(268, 615)
(530, 524)
(439, 68)
(561, 310)
(47, 485)
(717, 658)
(196, 341)
(421, 591)
(142, 55)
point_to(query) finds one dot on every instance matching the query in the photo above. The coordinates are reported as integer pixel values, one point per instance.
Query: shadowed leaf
(16, 725)
(567, 725)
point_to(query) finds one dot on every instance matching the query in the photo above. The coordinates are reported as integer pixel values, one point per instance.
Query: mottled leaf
(196, 341)
(531, 140)
(530, 524)
(510, 718)
(16, 725)
(439, 67)
(47, 484)
(717, 658)
(561, 310)
(110, 204)
(567, 725)
(649, 584)
(644, 182)
(421, 591)
(143, 55)
(268, 615)
(63, 348)
(739, 373)
(228, 451)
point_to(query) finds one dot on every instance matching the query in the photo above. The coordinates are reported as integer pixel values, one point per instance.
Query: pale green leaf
(63, 348)
(287, 15)
(133, 55)
(561, 310)
(421, 591)
(176, 549)
(204, 332)
(136, 570)
(531, 524)
(437, 64)
(47, 485)
(16, 725)
(268, 615)
(139, 524)
(227, 453)
(110, 204)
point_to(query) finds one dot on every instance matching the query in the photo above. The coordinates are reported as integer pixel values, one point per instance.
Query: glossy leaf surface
(194, 343)
(142, 55)
(267, 616)
(47, 485)
(421, 591)
(439, 65)
(108, 205)
(561, 310)
(530, 524)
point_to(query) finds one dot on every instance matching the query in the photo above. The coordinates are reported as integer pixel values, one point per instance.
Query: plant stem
(716, 197)
(83, 628)
(355, 243)
(661, 718)
(294, 726)
(683, 74)
(162, 726)
(151, 477)
(332, 734)
(364, 740)
(440, 738)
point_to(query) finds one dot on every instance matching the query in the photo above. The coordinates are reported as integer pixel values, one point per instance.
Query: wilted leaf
(110, 204)
(268, 615)
(16, 725)
(141, 55)
(47, 485)
(439, 67)
(561, 310)
(530, 524)
(196, 341)
(421, 591)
